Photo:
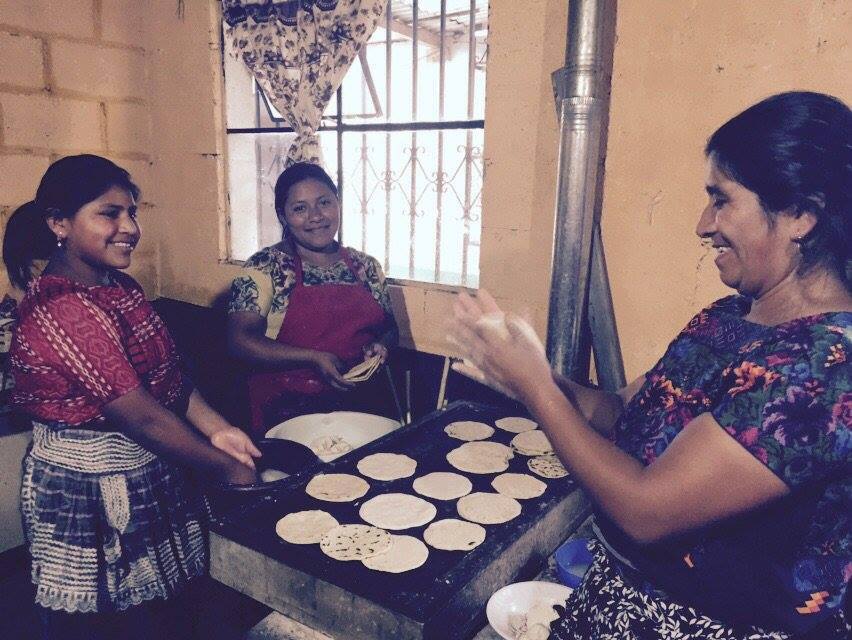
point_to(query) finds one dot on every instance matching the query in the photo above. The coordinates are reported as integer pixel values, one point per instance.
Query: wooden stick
(408, 396)
(443, 388)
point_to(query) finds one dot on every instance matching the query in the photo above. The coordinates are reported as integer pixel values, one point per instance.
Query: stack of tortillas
(481, 457)
(331, 445)
(363, 370)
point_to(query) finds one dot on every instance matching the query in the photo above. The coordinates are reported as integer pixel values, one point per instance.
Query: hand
(239, 473)
(500, 350)
(236, 444)
(376, 349)
(331, 368)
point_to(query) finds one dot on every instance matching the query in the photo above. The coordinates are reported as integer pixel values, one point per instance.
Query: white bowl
(356, 428)
(518, 598)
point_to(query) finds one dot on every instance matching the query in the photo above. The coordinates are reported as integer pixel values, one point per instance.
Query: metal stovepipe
(582, 89)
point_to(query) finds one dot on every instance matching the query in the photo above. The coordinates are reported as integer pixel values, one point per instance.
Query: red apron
(338, 318)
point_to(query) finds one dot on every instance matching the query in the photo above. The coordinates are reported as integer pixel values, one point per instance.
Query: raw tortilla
(404, 554)
(468, 430)
(305, 527)
(481, 457)
(354, 542)
(520, 486)
(547, 467)
(532, 443)
(443, 485)
(516, 424)
(488, 508)
(330, 446)
(337, 487)
(397, 511)
(271, 475)
(387, 466)
(454, 535)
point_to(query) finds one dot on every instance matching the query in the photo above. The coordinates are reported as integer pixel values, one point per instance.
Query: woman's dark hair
(295, 173)
(66, 186)
(794, 150)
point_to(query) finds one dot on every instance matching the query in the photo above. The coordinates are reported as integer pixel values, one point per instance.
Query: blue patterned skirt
(605, 607)
(103, 542)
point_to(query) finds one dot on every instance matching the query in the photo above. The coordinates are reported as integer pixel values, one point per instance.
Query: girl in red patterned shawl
(113, 527)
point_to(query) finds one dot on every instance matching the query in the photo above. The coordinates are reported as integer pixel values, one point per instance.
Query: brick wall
(74, 79)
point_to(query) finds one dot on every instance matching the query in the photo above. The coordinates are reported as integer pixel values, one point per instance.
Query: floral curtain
(299, 51)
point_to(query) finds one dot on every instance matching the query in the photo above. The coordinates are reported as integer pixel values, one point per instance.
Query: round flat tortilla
(547, 467)
(443, 485)
(520, 486)
(468, 430)
(330, 446)
(454, 535)
(337, 487)
(516, 424)
(481, 457)
(354, 542)
(387, 466)
(532, 443)
(305, 527)
(397, 511)
(488, 508)
(404, 554)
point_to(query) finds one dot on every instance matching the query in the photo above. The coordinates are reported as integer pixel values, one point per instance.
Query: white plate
(518, 598)
(356, 428)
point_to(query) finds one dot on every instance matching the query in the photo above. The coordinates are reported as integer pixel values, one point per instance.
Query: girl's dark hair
(296, 173)
(794, 150)
(66, 186)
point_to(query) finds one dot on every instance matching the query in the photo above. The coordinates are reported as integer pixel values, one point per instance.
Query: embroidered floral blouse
(268, 277)
(785, 394)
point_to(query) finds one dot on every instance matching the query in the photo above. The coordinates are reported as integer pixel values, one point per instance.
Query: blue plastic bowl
(572, 561)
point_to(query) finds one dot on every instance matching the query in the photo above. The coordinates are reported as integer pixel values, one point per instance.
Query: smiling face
(312, 214)
(753, 256)
(101, 235)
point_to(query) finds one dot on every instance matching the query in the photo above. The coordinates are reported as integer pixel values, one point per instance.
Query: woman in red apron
(305, 310)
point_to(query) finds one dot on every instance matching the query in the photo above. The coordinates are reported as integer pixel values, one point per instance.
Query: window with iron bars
(403, 138)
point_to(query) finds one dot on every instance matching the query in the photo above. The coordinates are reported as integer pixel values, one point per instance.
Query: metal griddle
(443, 599)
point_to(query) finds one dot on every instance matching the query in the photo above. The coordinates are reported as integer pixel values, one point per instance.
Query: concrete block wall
(74, 79)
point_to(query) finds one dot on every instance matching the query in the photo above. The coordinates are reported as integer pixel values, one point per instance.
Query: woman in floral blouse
(305, 310)
(722, 479)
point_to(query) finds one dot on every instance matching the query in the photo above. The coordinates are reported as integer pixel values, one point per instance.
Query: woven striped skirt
(109, 525)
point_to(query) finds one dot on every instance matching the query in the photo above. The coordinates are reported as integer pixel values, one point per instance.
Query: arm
(144, 420)
(390, 334)
(246, 334)
(678, 492)
(219, 431)
(601, 409)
